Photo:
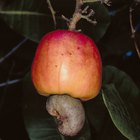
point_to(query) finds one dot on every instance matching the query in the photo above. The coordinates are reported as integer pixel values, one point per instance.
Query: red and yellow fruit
(67, 62)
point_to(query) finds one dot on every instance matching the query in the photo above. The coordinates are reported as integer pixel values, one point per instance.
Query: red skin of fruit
(67, 62)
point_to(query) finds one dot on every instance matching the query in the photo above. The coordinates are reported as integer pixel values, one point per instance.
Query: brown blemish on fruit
(70, 53)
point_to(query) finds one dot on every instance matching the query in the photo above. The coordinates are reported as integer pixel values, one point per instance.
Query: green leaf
(30, 18)
(100, 121)
(98, 116)
(95, 111)
(123, 83)
(127, 93)
(120, 114)
(35, 116)
(33, 18)
(103, 21)
(39, 124)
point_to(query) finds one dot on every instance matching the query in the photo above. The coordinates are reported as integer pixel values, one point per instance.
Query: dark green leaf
(33, 18)
(95, 109)
(103, 21)
(123, 83)
(30, 18)
(96, 113)
(35, 116)
(39, 124)
(100, 121)
(120, 114)
(127, 90)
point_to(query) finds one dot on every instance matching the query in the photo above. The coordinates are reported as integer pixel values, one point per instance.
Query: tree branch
(79, 14)
(107, 2)
(13, 50)
(53, 12)
(133, 31)
(10, 82)
(79, 3)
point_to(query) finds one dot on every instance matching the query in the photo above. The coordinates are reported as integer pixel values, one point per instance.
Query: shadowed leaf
(33, 18)
(30, 18)
(39, 124)
(123, 83)
(120, 114)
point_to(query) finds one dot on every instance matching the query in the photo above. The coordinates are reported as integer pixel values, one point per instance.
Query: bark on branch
(79, 14)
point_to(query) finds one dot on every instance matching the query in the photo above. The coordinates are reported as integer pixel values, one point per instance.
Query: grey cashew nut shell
(69, 113)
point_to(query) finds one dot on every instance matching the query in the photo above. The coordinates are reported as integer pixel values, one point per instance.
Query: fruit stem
(76, 16)
(79, 14)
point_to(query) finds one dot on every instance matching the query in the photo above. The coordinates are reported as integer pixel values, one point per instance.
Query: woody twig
(133, 31)
(52, 12)
(80, 14)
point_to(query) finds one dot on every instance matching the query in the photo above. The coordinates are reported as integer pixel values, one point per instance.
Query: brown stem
(76, 16)
(79, 14)
(133, 31)
(79, 3)
(52, 11)
(107, 2)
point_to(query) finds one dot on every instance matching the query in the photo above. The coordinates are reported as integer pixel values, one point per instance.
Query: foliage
(113, 115)
(40, 125)
(121, 111)
(33, 18)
